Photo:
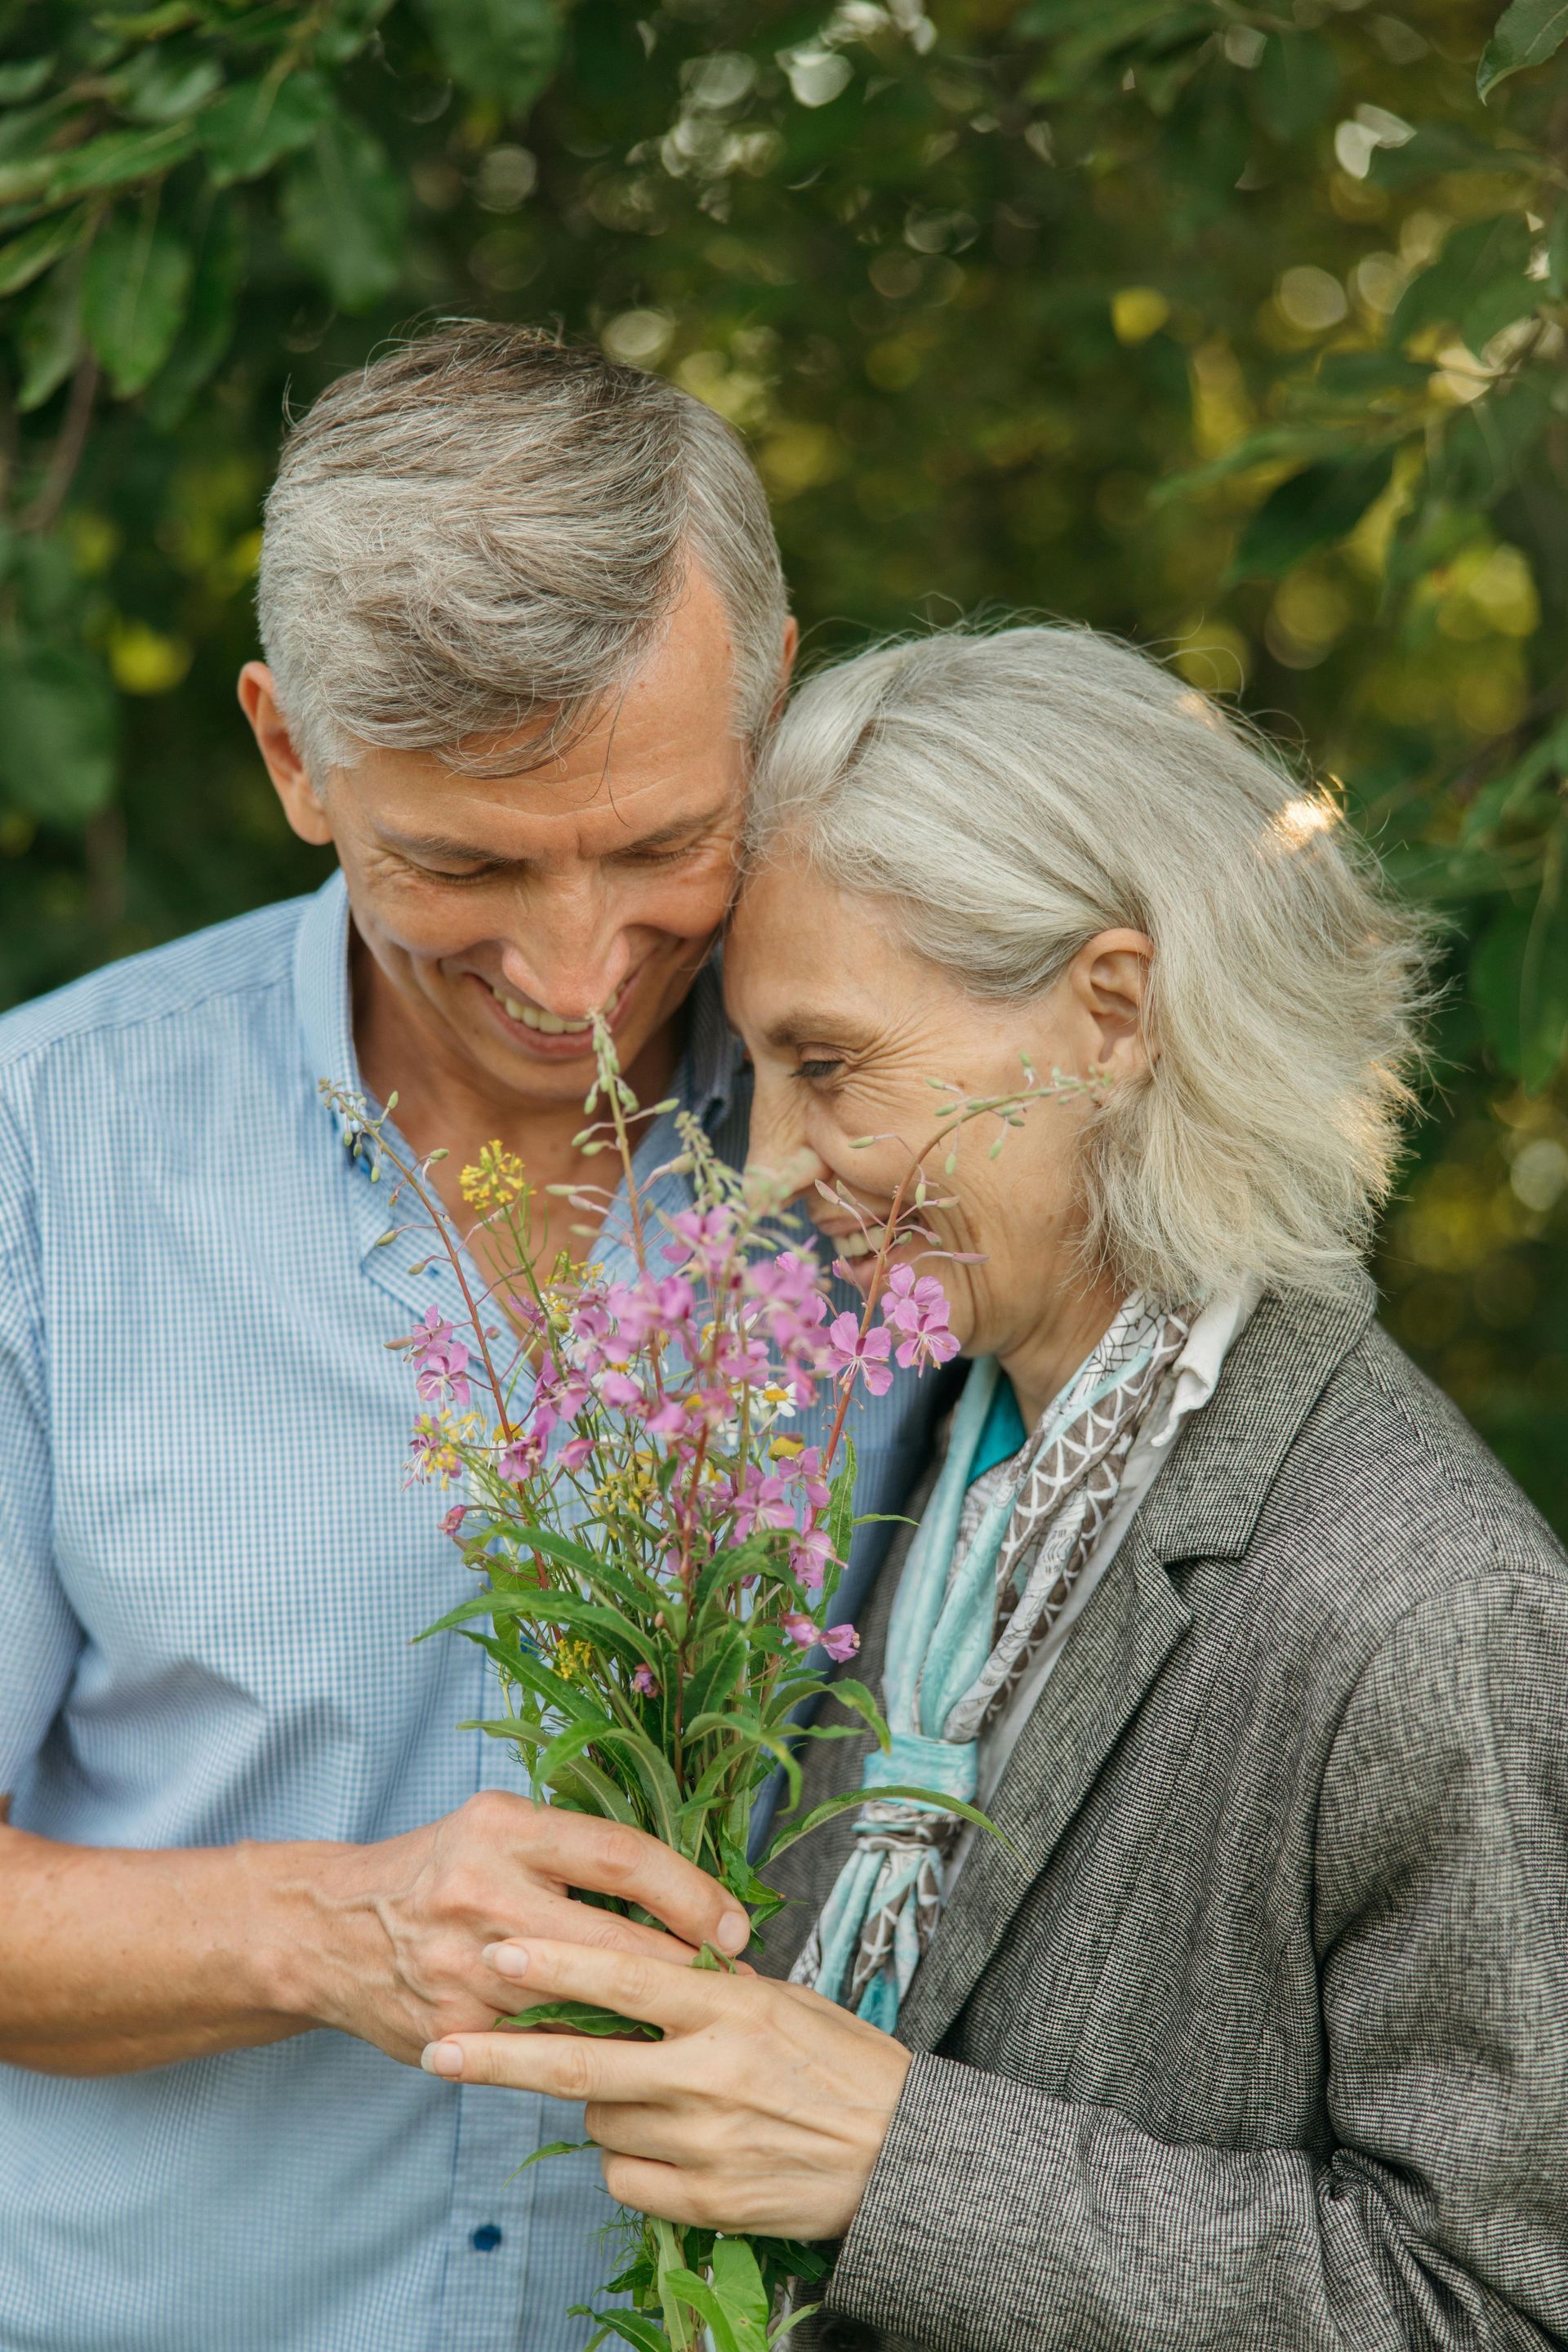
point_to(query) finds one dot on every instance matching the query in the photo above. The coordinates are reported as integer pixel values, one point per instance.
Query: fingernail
(442, 2058)
(734, 1932)
(507, 1959)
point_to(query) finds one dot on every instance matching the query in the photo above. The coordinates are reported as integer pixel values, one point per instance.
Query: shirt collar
(709, 1068)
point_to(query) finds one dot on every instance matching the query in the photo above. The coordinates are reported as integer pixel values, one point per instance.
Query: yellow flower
(784, 1449)
(497, 1183)
(573, 1661)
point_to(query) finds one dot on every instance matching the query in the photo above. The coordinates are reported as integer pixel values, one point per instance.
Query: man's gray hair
(486, 530)
(1008, 796)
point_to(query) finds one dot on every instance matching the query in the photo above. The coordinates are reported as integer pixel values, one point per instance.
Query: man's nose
(569, 954)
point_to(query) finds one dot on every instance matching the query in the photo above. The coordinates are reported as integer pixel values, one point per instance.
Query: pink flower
(643, 1681)
(702, 1237)
(452, 1524)
(917, 1306)
(620, 1393)
(849, 1353)
(648, 1305)
(519, 1458)
(667, 1419)
(803, 1470)
(762, 1502)
(789, 1278)
(809, 1556)
(840, 1641)
(575, 1451)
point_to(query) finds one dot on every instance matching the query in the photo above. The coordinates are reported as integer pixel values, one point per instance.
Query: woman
(1251, 2028)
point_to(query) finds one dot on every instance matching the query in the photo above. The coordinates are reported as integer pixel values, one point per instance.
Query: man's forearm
(113, 1960)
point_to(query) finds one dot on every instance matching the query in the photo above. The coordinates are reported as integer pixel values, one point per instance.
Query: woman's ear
(1110, 982)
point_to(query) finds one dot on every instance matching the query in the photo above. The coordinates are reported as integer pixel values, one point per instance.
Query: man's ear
(1109, 982)
(302, 804)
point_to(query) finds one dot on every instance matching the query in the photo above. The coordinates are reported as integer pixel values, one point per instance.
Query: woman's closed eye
(815, 1070)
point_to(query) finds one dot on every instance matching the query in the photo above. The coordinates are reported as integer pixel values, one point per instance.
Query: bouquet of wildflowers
(659, 1553)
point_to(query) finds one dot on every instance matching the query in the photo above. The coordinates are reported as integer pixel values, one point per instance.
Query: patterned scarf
(989, 1572)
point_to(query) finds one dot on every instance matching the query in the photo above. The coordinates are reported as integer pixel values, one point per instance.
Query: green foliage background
(1238, 329)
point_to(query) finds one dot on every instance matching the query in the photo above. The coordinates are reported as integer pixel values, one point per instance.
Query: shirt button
(486, 2238)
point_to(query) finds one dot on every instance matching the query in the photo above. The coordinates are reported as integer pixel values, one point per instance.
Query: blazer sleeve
(39, 1636)
(1000, 2220)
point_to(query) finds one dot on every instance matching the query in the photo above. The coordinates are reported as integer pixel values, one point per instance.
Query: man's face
(501, 912)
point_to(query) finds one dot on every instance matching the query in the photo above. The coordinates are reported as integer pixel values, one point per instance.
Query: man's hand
(391, 1938)
(114, 1959)
(763, 2109)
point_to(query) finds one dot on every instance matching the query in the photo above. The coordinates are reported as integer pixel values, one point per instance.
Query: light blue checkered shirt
(209, 1577)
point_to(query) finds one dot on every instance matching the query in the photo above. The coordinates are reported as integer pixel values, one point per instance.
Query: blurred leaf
(1297, 80)
(207, 329)
(133, 294)
(1519, 975)
(502, 48)
(1322, 503)
(1474, 261)
(256, 123)
(1528, 33)
(1556, 282)
(28, 255)
(49, 337)
(343, 211)
(347, 26)
(118, 160)
(165, 88)
(584, 2017)
(56, 747)
(1446, 147)
(24, 79)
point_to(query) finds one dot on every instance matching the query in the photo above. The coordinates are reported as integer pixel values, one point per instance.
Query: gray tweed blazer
(1254, 2037)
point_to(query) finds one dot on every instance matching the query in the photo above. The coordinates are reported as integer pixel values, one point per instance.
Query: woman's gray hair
(1010, 796)
(487, 530)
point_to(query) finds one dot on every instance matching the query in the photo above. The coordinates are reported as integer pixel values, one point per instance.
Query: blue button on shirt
(210, 1576)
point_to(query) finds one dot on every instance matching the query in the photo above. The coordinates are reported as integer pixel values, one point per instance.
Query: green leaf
(133, 293)
(120, 159)
(550, 1607)
(658, 1780)
(211, 313)
(1528, 33)
(1557, 253)
(166, 89)
(1296, 82)
(28, 255)
(1519, 976)
(700, 2297)
(633, 2327)
(737, 2282)
(343, 209)
(1473, 262)
(256, 123)
(841, 1505)
(792, 1831)
(584, 2017)
(49, 338)
(505, 49)
(717, 1679)
(551, 2147)
(24, 79)
(1321, 503)
(57, 746)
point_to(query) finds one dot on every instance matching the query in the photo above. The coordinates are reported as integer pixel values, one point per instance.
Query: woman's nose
(778, 1140)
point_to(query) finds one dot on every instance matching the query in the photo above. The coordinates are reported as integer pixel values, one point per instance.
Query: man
(524, 625)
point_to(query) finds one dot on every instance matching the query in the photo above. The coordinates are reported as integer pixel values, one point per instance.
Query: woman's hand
(762, 2110)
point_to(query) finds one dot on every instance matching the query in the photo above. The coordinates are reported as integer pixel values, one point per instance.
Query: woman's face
(847, 1028)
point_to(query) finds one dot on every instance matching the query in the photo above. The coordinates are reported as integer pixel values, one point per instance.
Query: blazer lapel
(1204, 1505)
(1127, 1632)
